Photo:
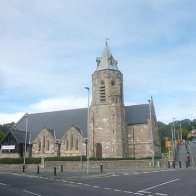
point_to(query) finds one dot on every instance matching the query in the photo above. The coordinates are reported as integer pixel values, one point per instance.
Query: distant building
(13, 144)
(192, 133)
(114, 130)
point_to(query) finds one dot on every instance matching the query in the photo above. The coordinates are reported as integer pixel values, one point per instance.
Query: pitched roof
(106, 61)
(60, 121)
(137, 114)
(18, 135)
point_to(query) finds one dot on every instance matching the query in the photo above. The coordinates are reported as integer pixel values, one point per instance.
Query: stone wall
(139, 139)
(9, 155)
(93, 165)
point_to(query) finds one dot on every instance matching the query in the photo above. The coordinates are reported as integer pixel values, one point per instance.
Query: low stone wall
(9, 155)
(77, 165)
(109, 164)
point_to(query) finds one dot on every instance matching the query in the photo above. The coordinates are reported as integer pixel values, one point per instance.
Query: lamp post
(180, 133)
(151, 131)
(173, 139)
(87, 142)
(25, 148)
(174, 134)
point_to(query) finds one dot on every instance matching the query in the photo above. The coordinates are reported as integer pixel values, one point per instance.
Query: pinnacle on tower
(106, 61)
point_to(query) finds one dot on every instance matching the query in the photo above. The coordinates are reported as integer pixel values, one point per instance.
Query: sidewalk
(93, 173)
(182, 156)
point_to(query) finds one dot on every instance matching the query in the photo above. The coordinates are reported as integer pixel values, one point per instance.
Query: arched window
(44, 141)
(48, 145)
(77, 144)
(67, 144)
(39, 145)
(71, 141)
(113, 82)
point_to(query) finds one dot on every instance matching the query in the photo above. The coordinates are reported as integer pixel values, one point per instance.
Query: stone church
(107, 130)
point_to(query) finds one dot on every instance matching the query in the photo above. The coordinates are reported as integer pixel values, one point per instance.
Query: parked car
(194, 140)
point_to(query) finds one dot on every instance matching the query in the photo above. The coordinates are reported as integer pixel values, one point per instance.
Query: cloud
(59, 103)
(46, 105)
(48, 51)
(8, 118)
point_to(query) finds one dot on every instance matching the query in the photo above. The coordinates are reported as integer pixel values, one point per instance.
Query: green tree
(193, 124)
(185, 133)
(4, 129)
(2, 134)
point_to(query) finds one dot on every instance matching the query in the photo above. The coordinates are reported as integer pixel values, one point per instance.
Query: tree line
(4, 129)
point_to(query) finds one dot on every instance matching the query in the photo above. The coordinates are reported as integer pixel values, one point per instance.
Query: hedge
(74, 158)
(20, 161)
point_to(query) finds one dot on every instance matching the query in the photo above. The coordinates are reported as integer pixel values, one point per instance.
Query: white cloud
(47, 105)
(58, 103)
(48, 51)
(8, 118)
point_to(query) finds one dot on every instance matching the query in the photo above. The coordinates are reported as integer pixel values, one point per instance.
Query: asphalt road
(180, 182)
(168, 182)
(192, 147)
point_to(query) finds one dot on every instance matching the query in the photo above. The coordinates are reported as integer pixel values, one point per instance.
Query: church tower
(107, 127)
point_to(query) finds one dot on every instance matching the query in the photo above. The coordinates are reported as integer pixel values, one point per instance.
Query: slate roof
(106, 61)
(18, 135)
(137, 114)
(61, 121)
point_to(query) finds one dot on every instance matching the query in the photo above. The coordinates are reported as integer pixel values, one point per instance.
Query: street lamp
(173, 139)
(25, 148)
(151, 131)
(87, 142)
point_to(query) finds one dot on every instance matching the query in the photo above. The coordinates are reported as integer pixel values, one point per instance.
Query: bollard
(174, 164)
(186, 163)
(38, 169)
(23, 168)
(158, 164)
(61, 168)
(54, 171)
(101, 167)
(180, 165)
(168, 164)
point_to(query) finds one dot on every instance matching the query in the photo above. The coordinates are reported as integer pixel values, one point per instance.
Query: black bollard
(174, 164)
(61, 168)
(180, 165)
(186, 163)
(168, 164)
(101, 167)
(23, 168)
(38, 169)
(54, 171)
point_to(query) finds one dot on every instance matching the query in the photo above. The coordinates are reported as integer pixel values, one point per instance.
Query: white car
(194, 140)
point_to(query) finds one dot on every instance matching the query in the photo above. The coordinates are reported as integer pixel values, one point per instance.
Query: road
(179, 182)
(168, 182)
(182, 155)
(192, 147)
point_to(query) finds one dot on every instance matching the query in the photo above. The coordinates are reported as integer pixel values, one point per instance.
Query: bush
(110, 159)
(78, 158)
(20, 161)
(74, 158)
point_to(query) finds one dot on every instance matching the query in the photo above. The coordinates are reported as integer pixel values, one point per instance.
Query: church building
(106, 129)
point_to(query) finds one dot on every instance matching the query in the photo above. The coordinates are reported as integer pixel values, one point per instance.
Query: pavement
(182, 156)
(59, 173)
(77, 174)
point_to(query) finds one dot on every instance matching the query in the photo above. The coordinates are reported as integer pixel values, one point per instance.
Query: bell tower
(107, 127)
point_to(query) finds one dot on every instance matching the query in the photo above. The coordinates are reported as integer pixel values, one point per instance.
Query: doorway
(98, 150)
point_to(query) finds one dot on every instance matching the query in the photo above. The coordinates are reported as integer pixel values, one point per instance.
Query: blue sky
(48, 51)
